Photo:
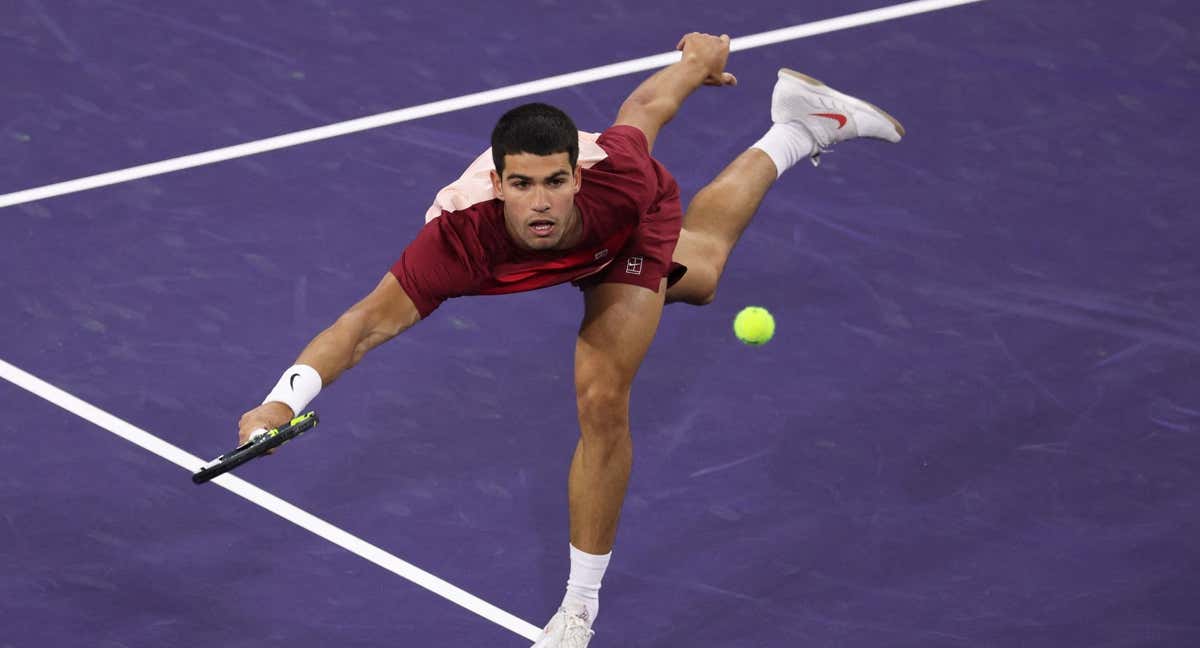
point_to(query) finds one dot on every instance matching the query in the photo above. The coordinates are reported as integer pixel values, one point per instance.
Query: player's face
(539, 200)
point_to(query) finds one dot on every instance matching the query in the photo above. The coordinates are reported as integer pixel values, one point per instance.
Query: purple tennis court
(977, 425)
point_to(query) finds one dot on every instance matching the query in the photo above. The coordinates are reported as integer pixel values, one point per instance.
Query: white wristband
(297, 387)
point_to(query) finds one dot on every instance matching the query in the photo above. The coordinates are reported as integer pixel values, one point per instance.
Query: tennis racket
(256, 446)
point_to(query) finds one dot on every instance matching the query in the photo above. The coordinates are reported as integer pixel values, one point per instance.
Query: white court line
(467, 101)
(283, 509)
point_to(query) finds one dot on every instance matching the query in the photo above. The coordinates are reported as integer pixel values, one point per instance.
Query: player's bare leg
(714, 222)
(809, 117)
(619, 324)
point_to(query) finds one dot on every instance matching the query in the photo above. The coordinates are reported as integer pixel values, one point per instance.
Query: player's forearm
(380, 316)
(377, 318)
(343, 345)
(664, 92)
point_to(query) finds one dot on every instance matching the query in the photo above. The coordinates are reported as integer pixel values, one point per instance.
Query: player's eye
(557, 182)
(520, 184)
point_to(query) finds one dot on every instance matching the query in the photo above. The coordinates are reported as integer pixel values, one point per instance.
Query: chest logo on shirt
(600, 255)
(633, 266)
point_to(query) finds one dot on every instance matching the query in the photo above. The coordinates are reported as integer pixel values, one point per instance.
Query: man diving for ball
(608, 219)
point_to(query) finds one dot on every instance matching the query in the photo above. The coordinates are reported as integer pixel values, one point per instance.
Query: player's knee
(705, 258)
(702, 289)
(706, 296)
(603, 411)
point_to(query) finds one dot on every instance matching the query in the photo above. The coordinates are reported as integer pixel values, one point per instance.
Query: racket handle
(259, 442)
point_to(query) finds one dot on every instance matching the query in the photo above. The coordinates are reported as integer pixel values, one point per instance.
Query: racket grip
(260, 441)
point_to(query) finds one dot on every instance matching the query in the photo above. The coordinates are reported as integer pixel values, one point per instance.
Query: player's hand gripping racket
(256, 446)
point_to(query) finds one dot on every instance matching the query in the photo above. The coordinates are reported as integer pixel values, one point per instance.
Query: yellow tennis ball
(754, 325)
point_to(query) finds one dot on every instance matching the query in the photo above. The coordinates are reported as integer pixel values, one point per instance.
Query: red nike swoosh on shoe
(840, 119)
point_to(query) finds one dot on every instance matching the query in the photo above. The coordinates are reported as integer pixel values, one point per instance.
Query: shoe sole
(814, 82)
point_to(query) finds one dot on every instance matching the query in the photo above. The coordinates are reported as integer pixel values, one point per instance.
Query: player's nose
(541, 200)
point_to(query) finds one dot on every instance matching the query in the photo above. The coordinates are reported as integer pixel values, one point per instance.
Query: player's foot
(830, 116)
(566, 630)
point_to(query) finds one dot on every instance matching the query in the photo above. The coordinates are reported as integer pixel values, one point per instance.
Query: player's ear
(577, 177)
(497, 186)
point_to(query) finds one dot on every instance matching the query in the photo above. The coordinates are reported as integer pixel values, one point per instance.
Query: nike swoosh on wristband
(292, 381)
(840, 119)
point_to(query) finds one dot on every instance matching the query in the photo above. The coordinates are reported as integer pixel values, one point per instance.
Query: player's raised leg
(714, 222)
(809, 117)
(619, 324)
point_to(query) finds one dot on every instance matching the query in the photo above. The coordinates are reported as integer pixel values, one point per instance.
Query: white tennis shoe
(830, 116)
(566, 630)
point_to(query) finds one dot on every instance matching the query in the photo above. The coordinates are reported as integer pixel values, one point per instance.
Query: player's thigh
(619, 323)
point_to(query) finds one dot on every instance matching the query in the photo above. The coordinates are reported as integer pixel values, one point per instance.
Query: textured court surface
(979, 424)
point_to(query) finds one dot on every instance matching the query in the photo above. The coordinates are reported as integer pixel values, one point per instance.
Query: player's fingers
(683, 41)
(245, 433)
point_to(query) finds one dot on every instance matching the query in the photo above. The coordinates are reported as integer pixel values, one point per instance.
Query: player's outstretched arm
(380, 316)
(658, 98)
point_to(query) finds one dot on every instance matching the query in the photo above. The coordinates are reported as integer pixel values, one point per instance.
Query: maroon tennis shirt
(631, 215)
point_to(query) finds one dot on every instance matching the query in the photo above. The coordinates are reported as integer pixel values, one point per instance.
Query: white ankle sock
(786, 144)
(583, 586)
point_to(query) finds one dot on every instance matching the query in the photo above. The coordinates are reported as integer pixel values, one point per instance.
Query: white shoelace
(577, 634)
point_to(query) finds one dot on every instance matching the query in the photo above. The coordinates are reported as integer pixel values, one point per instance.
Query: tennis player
(537, 212)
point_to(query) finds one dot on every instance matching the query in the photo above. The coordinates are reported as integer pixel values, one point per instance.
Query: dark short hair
(535, 128)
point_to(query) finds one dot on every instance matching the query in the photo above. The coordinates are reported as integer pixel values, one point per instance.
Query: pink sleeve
(435, 266)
